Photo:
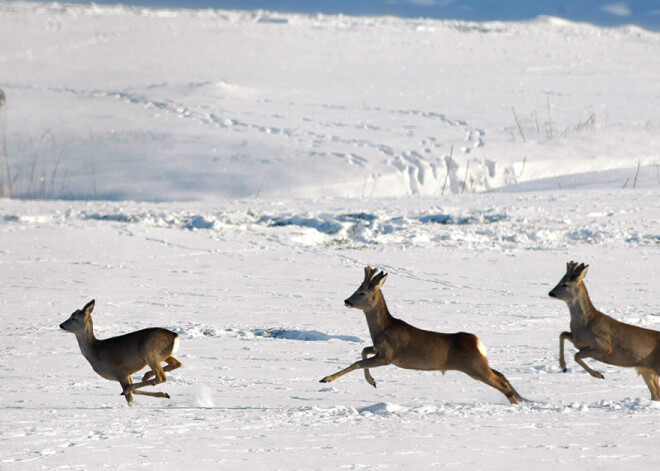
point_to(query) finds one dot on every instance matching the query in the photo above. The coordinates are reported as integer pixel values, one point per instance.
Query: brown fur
(398, 343)
(117, 358)
(603, 338)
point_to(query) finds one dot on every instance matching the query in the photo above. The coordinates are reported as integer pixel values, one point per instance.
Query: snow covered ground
(256, 292)
(250, 164)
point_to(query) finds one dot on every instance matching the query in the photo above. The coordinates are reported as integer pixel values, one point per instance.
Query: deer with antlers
(398, 343)
(117, 358)
(603, 338)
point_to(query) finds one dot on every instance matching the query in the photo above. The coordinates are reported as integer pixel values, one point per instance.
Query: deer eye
(564, 285)
(362, 293)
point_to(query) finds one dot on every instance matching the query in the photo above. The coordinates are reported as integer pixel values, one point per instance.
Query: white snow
(187, 104)
(248, 165)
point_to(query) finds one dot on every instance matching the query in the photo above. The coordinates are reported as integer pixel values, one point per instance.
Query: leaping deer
(603, 338)
(117, 358)
(398, 343)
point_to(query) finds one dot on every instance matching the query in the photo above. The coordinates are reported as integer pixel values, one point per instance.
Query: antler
(377, 278)
(372, 277)
(576, 271)
(368, 272)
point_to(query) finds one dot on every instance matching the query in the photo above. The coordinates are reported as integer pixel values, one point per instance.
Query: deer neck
(581, 308)
(378, 317)
(87, 341)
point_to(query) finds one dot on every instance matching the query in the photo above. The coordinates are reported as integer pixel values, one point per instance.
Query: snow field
(250, 164)
(259, 309)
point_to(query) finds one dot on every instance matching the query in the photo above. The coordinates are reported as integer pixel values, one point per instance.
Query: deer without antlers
(117, 358)
(397, 343)
(603, 338)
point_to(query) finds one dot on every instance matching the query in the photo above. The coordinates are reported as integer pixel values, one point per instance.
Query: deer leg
(509, 388)
(126, 382)
(172, 364)
(563, 336)
(152, 394)
(149, 374)
(372, 362)
(367, 375)
(480, 371)
(587, 353)
(159, 377)
(651, 380)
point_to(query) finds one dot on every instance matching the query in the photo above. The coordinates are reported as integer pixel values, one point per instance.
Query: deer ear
(583, 272)
(381, 282)
(89, 307)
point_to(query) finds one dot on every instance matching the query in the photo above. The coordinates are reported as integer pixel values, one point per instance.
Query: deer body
(398, 343)
(117, 358)
(598, 336)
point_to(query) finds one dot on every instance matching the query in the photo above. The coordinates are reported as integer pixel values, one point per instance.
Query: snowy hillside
(248, 165)
(127, 103)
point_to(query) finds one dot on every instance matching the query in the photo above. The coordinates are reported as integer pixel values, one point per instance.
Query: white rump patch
(175, 347)
(482, 348)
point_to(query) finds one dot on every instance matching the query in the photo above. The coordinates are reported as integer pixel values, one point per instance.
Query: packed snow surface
(255, 290)
(250, 164)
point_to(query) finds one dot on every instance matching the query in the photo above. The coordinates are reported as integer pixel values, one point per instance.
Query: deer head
(79, 320)
(568, 287)
(365, 296)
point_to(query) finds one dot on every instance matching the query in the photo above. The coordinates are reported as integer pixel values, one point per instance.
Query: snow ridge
(489, 226)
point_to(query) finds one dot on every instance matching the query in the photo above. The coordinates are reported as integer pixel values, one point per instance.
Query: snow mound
(383, 409)
(194, 331)
(490, 221)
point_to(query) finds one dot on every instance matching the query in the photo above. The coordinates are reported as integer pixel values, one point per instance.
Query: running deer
(397, 343)
(598, 336)
(117, 358)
